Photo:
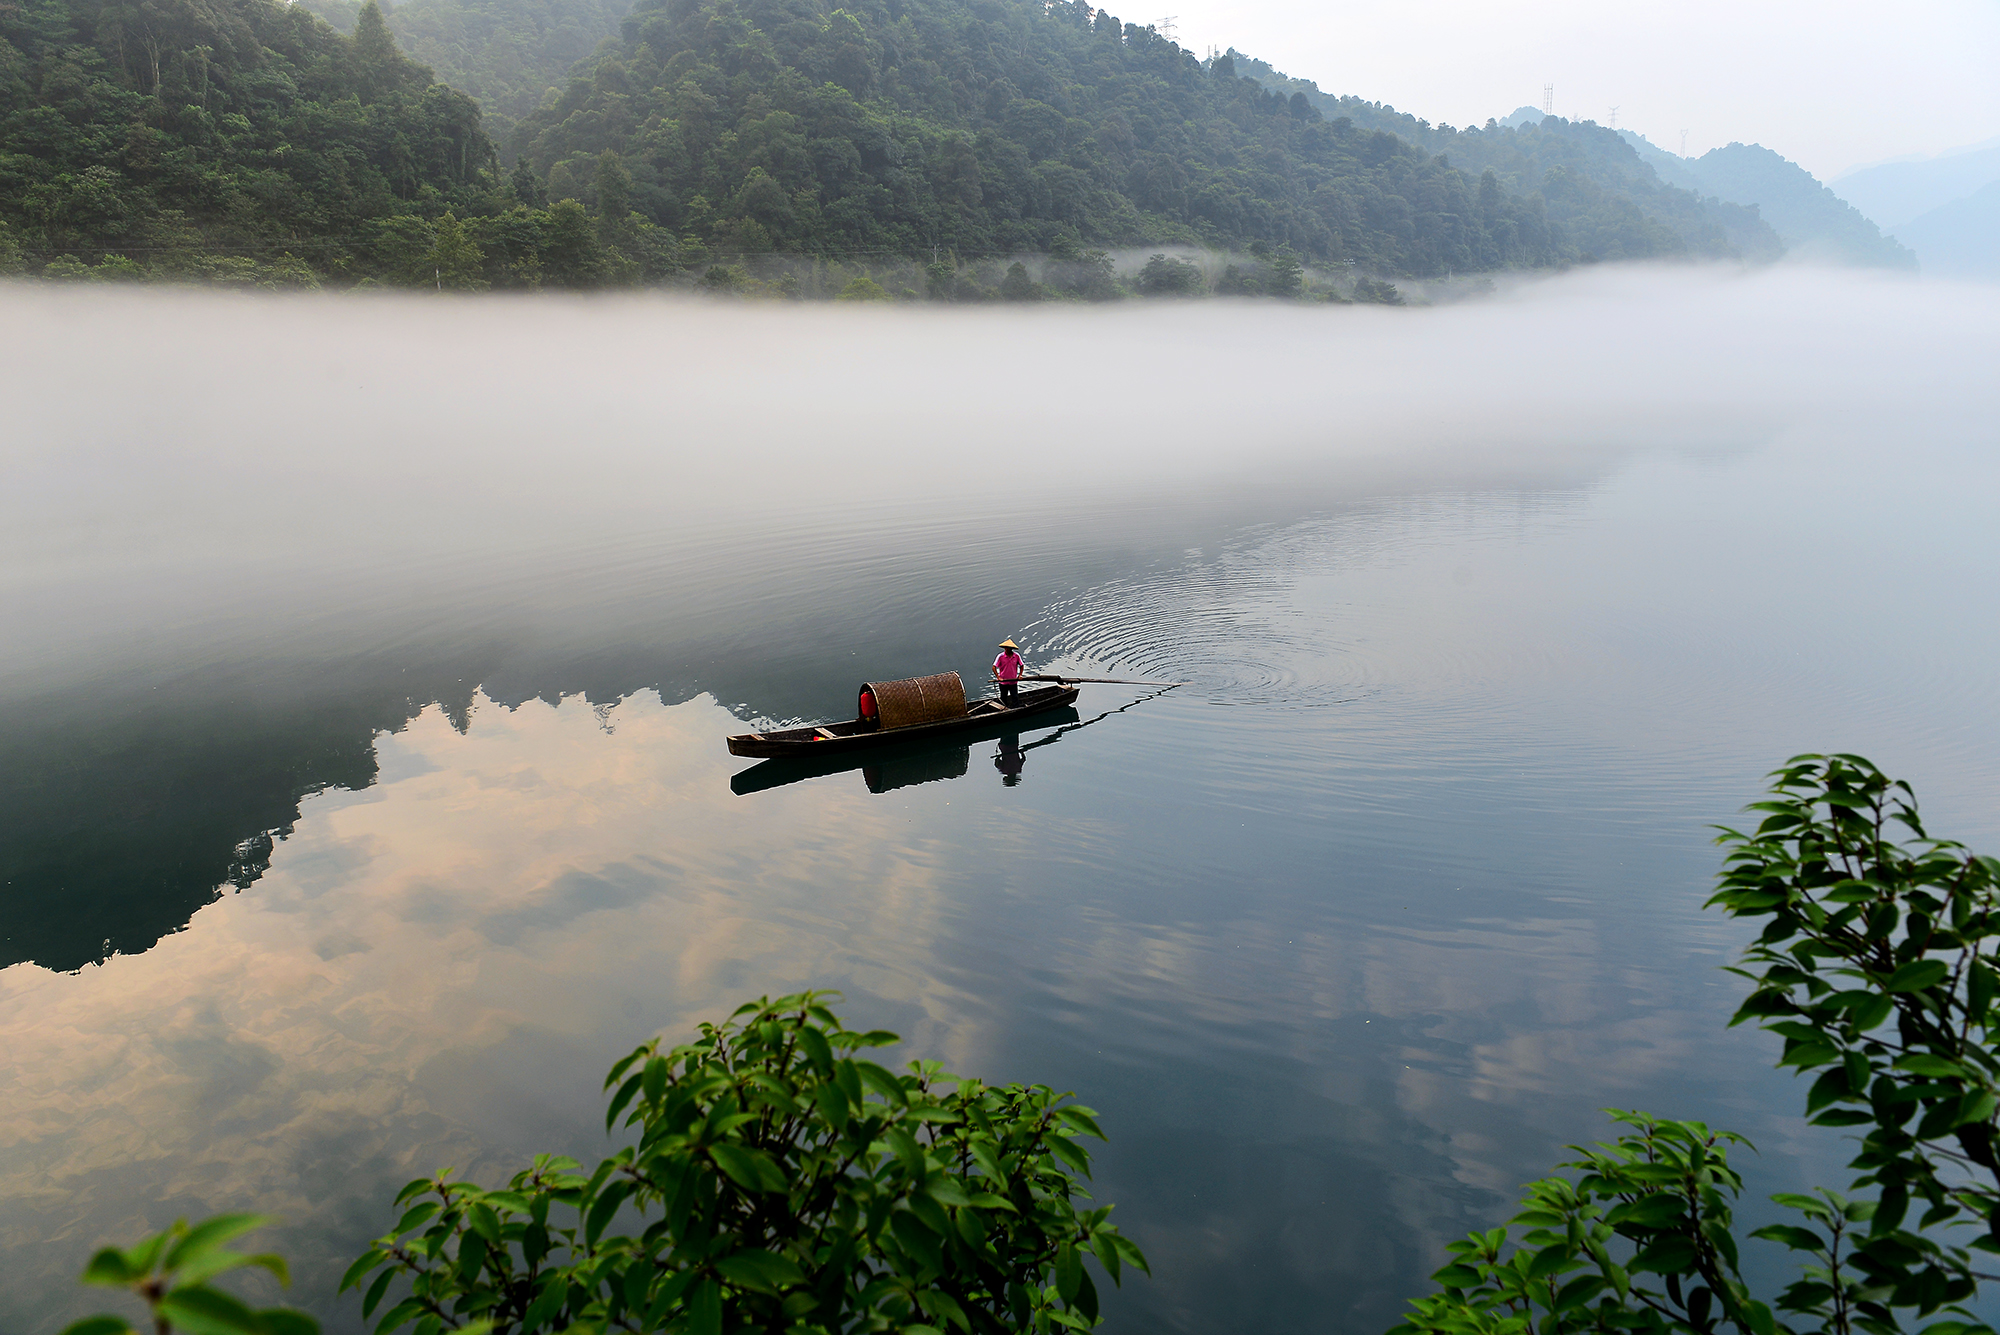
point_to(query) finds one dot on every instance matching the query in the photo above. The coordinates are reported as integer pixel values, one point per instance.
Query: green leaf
(216, 1262)
(625, 1064)
(1978, 1105)
(481, 1220)
(831, 1100)
(1792, 1200)
(200, 1310)
(1923, 1063)
(626, 1093)
(1917, 975)
(814, 1045)
(373, 1298)
(606, 1205)
(1081, 1119)
(98, 1325)
(398, 1316)
(882, 1082)
(653, 1079)
(705, 1307)
(1868, 1014)
(945, 1191)
(765, 1272)
(1798, 1239)
(366, 1262)
(750, 1169)
(549, 1301)
(1842, 1117)
(1578, 1292)
(1658, 1210)
(1669, 1255)
(212, 1233)
(109, 1267)
(414, 1217)
(1071, 1153)
(285, 1321)
(1551, 1261)
(1069, 1272)
(1101, 1246)
(416, 1186)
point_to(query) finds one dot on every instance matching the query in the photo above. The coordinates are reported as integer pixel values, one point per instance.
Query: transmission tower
(1614, 118)
(1166, 26)
(1548, 99)
(1684, 143)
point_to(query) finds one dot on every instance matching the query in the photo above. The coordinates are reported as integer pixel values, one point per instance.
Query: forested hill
(1593, 185)
(978, 127)
(506, 53)
(233, 140)
(246, 140)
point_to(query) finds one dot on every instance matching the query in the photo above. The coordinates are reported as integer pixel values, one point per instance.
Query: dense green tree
(455, 258)
(223, 140)
(507, 54)
(1017, 286)
(1164, 276)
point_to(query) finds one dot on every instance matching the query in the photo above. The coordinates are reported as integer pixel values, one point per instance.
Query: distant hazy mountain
(1589, 182)
(1960, 239)
(1815, 222)
(1893, 193)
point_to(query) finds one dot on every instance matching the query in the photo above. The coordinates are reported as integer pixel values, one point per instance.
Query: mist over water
(369, 658)
(176, 458)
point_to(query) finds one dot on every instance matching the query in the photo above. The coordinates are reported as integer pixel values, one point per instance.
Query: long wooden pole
(1104, 681)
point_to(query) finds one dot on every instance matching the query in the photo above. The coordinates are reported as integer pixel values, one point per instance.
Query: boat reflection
(891, 767)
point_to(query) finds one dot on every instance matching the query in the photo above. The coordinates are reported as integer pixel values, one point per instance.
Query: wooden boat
(899, 761)
(909, 710)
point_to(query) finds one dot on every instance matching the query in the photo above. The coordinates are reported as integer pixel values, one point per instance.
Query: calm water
(365, 794)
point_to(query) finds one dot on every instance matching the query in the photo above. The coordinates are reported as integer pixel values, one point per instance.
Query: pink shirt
(1007, 666)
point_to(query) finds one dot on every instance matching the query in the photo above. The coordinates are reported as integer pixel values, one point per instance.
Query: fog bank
(173, 455)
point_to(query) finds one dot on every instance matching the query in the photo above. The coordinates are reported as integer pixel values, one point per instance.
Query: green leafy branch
(779, 1181)
(171, 1273)
(1874, 967)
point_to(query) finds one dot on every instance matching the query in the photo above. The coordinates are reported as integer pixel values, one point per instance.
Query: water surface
(365, 793)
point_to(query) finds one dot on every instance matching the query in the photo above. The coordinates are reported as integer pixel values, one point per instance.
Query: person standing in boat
(1007, 669)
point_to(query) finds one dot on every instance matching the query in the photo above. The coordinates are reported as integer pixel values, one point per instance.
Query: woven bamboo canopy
(915, 700)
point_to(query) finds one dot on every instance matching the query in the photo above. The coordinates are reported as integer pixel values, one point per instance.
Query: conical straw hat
(1009, 644)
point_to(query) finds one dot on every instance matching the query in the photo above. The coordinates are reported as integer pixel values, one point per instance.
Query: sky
(1832, 85)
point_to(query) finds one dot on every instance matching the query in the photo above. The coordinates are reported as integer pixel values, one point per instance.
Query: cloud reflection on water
(435, 970)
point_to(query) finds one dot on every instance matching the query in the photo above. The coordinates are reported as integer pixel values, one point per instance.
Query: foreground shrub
(1873, 967)
(779, 1182)
(173, 1274)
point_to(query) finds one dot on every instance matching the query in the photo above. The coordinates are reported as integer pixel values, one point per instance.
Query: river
(368, 664)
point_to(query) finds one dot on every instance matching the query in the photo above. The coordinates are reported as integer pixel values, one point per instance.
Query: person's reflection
(1010, 761)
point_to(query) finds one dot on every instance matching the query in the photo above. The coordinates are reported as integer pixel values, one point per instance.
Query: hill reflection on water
(419, 625)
